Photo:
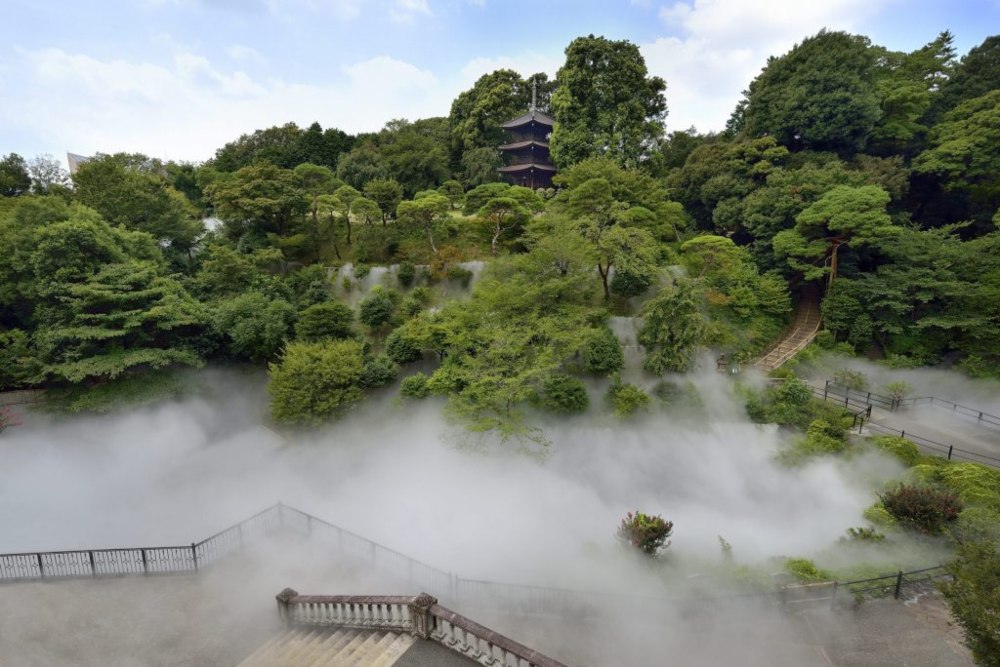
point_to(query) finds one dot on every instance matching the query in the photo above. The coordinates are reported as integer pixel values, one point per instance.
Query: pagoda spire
(534, 95)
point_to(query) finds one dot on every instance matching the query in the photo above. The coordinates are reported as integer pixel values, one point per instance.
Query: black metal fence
(891, 403)
(513, 598)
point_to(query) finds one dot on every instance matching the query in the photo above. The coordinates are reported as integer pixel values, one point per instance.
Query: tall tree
(606, 104)
(821, 95)
(14, 177)
(844, 215)
(259, 199)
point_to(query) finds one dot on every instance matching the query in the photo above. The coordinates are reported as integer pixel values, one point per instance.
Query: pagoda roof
(533, 115)
(523, 144)
(514, 168)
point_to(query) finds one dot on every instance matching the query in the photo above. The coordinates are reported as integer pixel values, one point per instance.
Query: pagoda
(527, 152)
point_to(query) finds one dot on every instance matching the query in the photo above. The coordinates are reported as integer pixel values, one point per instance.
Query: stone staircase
(329, 647)
(803, 330)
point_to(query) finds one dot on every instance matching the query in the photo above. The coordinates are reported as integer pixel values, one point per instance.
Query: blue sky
(178, 78)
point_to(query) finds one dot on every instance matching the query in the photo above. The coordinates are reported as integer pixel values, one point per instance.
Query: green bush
(805, 570)
(901, 448)
(313, 382)
(626, 399)
(923, 509)
(329, 319)
(878, 515)
(602, 353)
(401, 348)
(406, 274)
(378, 308)
(378, 372)
(459, 274)
(974, 597)
(414, 386)
(645, 532)
(565, 394)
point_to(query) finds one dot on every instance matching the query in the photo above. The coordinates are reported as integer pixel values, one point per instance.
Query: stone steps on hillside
(330, 647)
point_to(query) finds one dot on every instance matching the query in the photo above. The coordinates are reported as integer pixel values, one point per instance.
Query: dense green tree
(361, 164)
(974, 597)
(424, 212)
(503, 217)
(137, 199)
(327, 320)
(844, 215)
(976, 74)
(14, 177)
(480, 166)
(672, 326)
(377, 310)
(125, 317)
(628, 250)
(314, 382)
(255, 326)
(47, 175)
(820, 95)
(414, 158)
(387, 193)
(963, 150)
(315, 181)
(277, 145)
(606, 104)
(258, 200)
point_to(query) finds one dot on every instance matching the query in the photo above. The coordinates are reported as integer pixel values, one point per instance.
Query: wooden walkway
(803, 330)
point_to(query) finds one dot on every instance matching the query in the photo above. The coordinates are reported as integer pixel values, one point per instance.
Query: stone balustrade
(421, 616)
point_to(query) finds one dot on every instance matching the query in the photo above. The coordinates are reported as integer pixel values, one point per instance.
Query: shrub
(855, 380)
(325, 320)
(377, 372)
(921, 508)
(645, 532)
(406, 274)
(313, 382)
(602, 353)
(862, 534)
(401, 348)
(897, 390)
(879, 515)
(414, 386)
(626, 398)
(377, 309)
(361, 271)
(974, 597)
(901, 448)
(459, 274)
(565, 394)
(805, 570)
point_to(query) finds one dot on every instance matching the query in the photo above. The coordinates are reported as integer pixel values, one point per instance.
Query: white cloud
(403, 11)
(243, 53)
(524, 64)
(723, 44)
(186, 108)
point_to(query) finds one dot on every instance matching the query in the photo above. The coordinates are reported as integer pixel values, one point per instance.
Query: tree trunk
(430, 237)
(604, 279)
(347, 219)
(333, 226)
(496, 237)
(315, 230)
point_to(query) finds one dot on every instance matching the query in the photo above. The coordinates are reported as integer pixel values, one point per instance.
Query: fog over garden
(701, 372)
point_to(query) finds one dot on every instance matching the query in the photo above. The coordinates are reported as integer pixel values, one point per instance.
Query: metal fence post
(950, 448)
(194, 556)
(93, 569)
(41, 568)
(145, 562)
(899, 583)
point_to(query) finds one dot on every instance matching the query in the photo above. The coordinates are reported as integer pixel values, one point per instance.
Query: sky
(176, 79)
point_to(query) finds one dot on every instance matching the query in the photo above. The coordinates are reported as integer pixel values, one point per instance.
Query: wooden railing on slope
(804, 328)
(420, 615)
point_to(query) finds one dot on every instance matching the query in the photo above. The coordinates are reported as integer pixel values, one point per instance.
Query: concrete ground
(222, 614)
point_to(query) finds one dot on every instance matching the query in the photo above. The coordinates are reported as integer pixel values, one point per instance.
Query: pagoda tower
(527, 151)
